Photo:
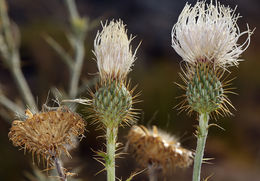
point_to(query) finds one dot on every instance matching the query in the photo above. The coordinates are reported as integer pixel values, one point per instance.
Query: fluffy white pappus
(209, 32)
(113, 52)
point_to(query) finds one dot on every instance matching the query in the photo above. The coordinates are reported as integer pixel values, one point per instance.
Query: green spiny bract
(204, 92)
(112, 103)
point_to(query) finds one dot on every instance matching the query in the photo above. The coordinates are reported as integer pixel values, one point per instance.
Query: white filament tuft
(209, 32)
(113, 52)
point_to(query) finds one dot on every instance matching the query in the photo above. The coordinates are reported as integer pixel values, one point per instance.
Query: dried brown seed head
(47, 134)
(157, 148)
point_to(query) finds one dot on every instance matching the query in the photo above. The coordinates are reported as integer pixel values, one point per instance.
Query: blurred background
(236, 151)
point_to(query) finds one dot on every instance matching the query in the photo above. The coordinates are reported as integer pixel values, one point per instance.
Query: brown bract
(153, 147)
(47, 134)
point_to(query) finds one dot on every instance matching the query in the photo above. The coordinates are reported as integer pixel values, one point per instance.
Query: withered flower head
(153, 147)
(47, 134)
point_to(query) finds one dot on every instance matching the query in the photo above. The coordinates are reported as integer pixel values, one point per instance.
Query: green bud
(204, 91)
(112, 103)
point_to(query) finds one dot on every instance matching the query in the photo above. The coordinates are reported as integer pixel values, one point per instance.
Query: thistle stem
(11, 57)
(111, 137)
(78, 48)
(72, 8)
(59, 169)
(12, 106)
(22, 85)
(153, 172)
(79, 57)
(201, 141)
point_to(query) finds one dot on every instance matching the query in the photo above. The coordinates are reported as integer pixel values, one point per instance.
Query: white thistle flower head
(209, 33)
(113, 52)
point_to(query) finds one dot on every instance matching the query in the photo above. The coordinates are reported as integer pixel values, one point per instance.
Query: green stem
(201, 141)
(111, 137)
(79, 57)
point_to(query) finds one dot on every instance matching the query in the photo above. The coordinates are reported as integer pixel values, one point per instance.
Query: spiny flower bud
(204, 92)
(209, 32)
(157, 148)
(113, 51)
(47, 134)
(112, 104)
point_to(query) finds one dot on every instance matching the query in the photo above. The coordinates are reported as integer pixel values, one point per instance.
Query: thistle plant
(112, 102)
(206, 37)
(158, 151)
(47, 135)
